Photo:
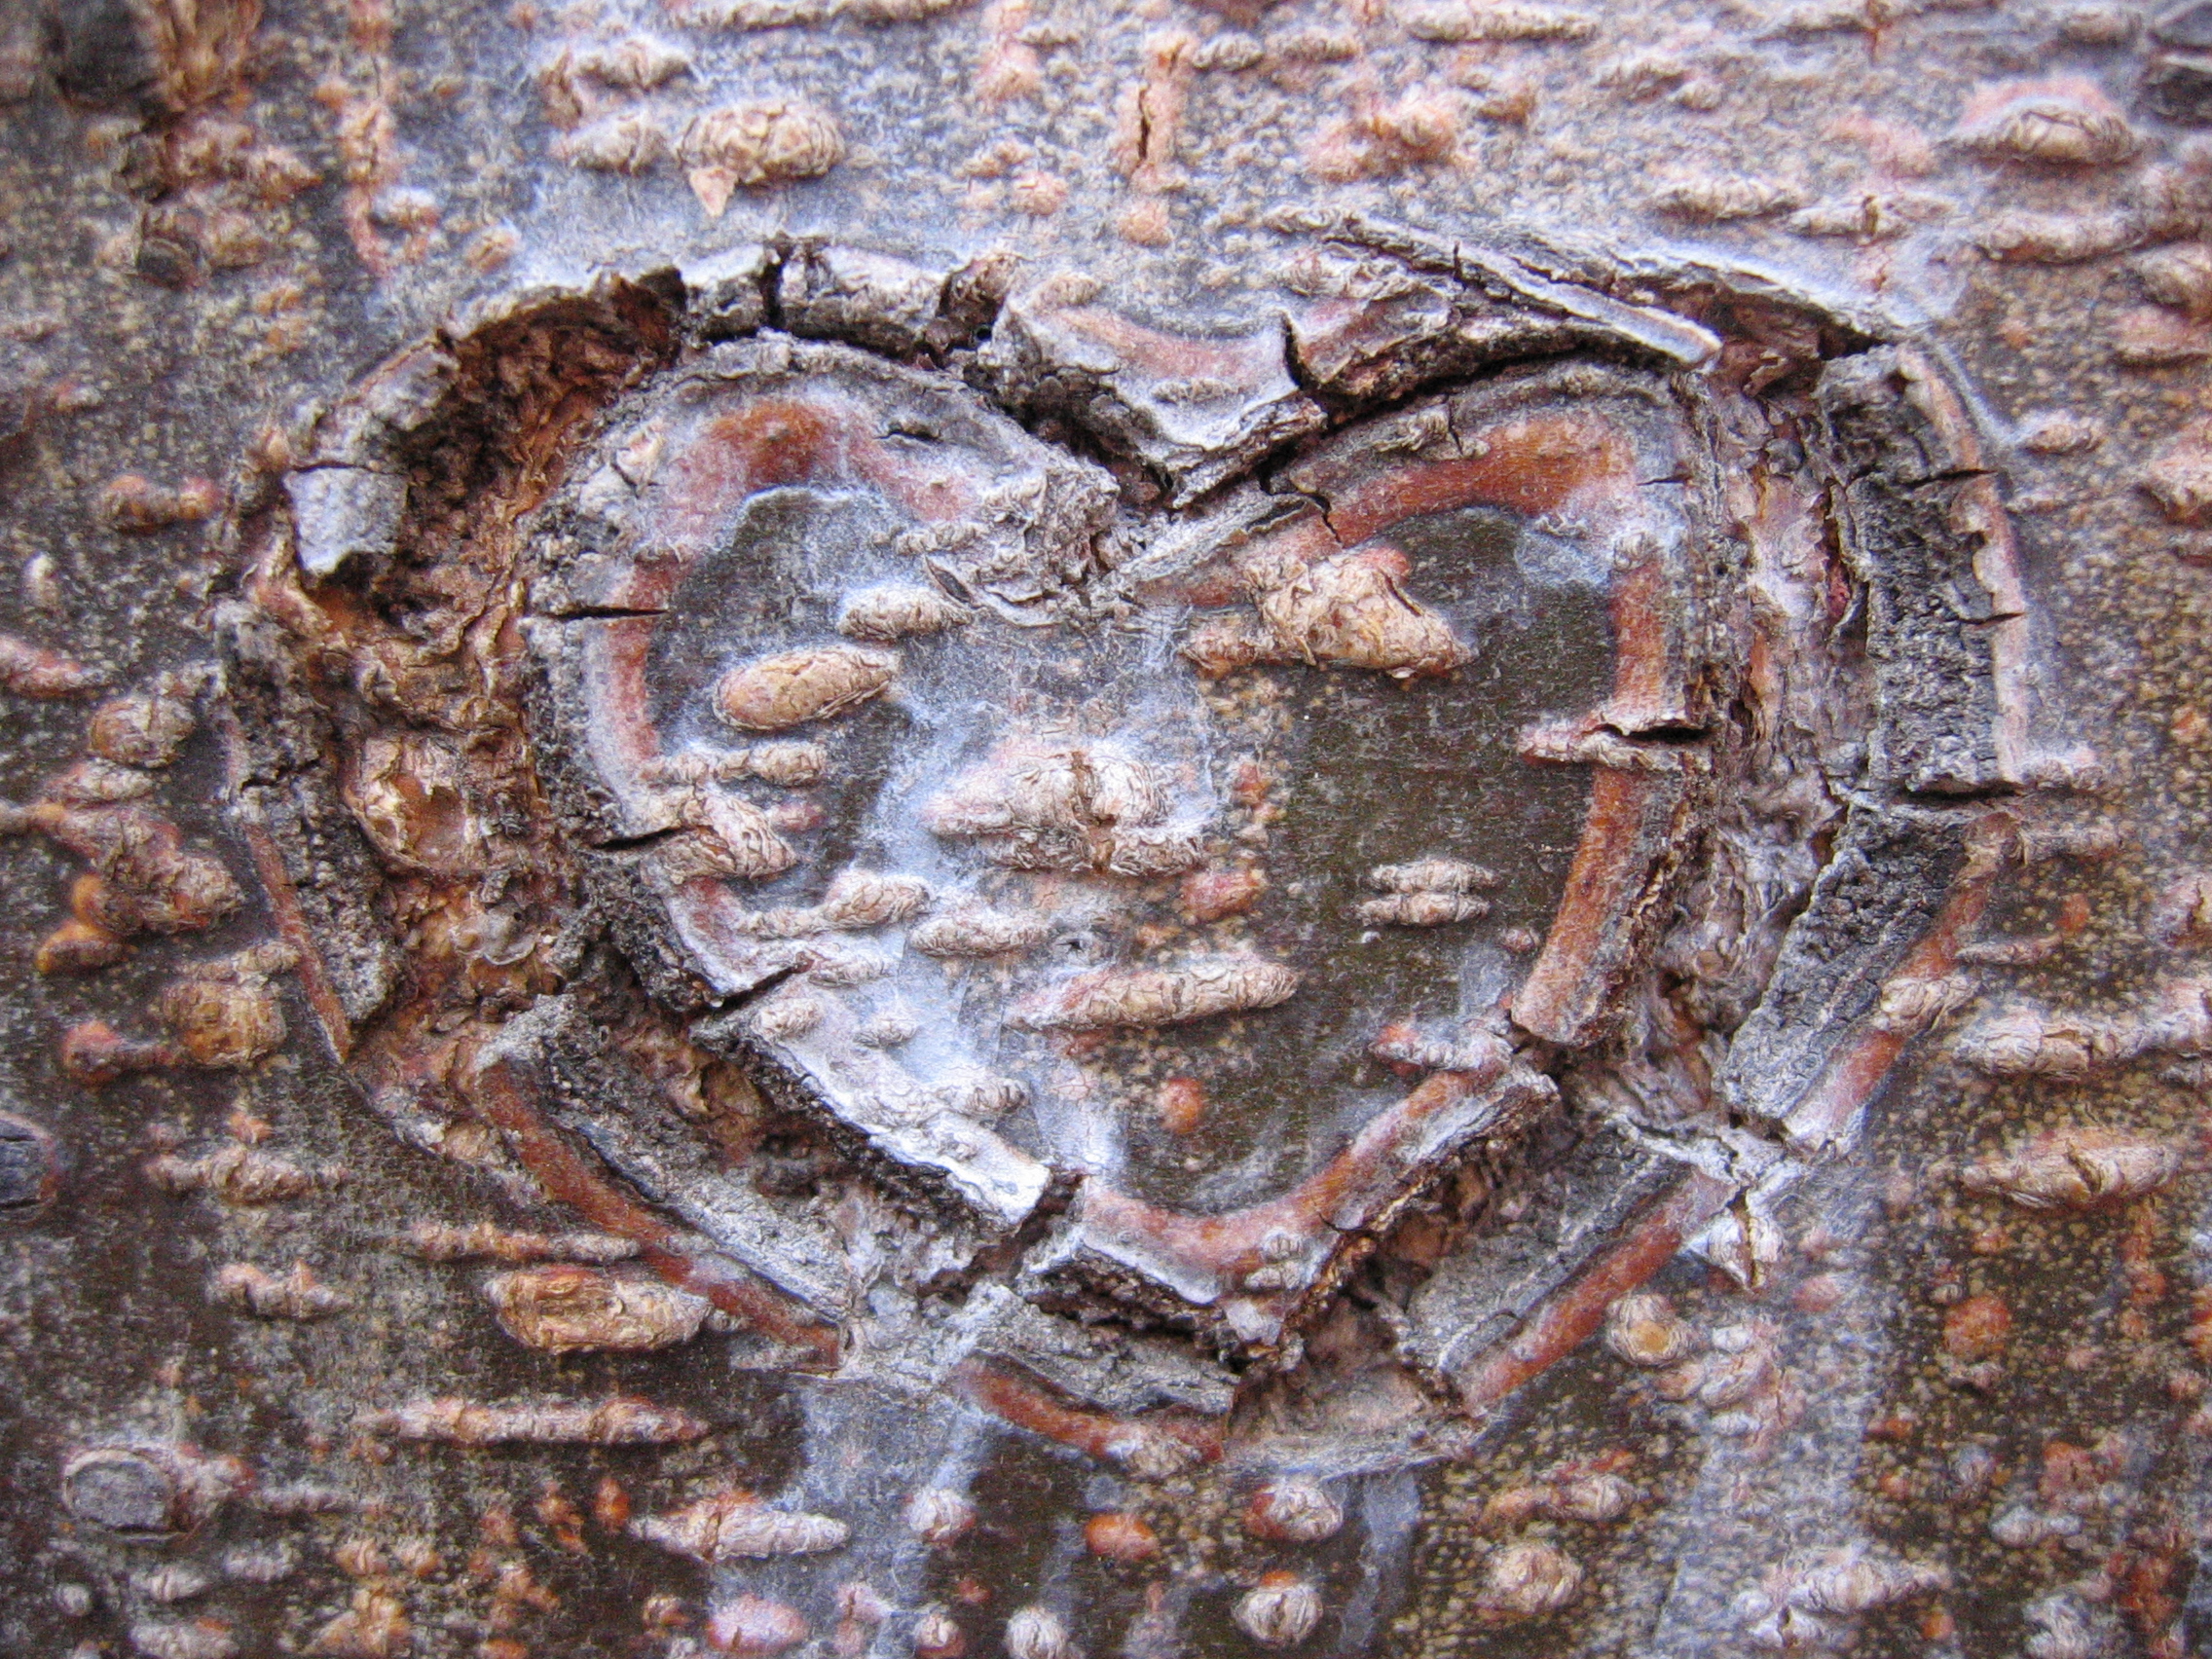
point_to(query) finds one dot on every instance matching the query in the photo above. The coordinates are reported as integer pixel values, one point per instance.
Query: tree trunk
(888, 827)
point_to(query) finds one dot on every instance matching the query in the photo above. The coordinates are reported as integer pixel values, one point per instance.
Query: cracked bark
(902, 829)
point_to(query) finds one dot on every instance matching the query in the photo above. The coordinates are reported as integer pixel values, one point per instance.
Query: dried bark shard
(739, 1526)
(1197, 989)
(1198, 410)
(2074, 1169)
(1945, 620)
(293, 1295)
(37, 670)
(617, 1421)
(565, 1309)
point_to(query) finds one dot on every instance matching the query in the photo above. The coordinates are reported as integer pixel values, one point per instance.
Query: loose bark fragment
(36, 671)
(737, 1527)
(2076, 1169)
(619, 1420)
(1162, 995)
(296, 1293)
(566, 1309)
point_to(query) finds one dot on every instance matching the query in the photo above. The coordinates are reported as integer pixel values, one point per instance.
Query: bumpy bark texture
(882, 826)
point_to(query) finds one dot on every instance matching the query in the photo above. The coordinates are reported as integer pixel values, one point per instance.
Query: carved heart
(1162, 839)
(995, 818)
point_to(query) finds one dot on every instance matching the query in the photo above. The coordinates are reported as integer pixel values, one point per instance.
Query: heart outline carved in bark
(889, 731)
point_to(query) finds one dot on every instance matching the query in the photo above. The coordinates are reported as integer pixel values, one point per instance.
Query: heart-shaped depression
(1233, 864)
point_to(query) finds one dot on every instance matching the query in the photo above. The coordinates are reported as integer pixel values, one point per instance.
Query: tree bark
(885, 827)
